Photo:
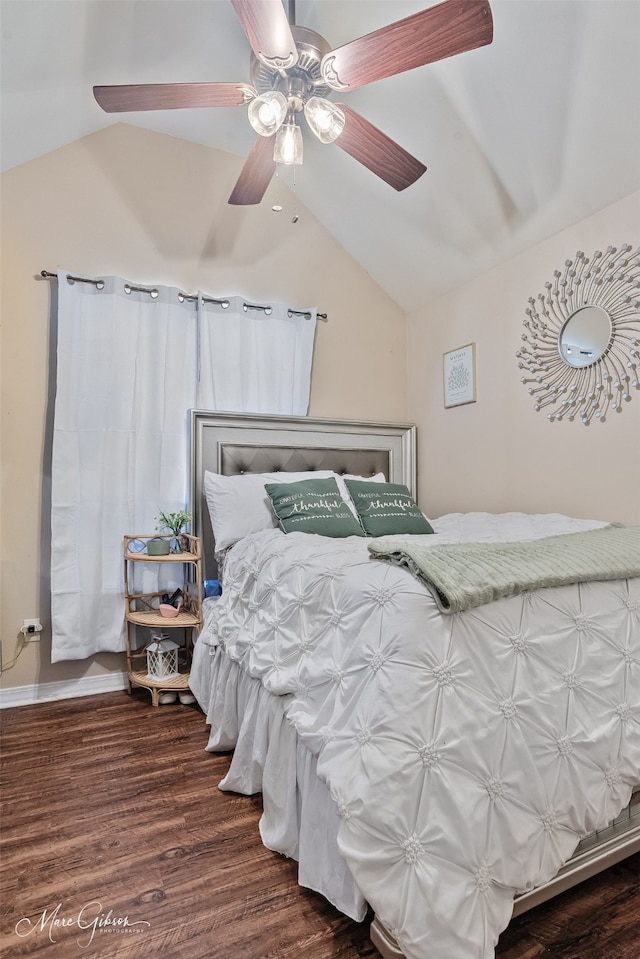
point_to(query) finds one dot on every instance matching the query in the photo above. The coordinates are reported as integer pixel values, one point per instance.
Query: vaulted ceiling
(521, 138)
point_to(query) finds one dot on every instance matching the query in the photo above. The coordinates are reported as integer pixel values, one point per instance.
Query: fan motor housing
(299, 82)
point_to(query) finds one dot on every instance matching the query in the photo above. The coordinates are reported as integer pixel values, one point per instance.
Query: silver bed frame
(233, 443)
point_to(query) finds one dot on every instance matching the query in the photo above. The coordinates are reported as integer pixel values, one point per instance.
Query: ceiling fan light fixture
(325, 119)
(267, 112)
(293, 69)
(288, 145)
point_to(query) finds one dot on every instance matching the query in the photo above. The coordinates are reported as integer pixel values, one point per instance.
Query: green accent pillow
(312, 506)
(387, 509)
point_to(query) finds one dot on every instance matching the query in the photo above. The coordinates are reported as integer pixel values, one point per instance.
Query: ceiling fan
(293, 71)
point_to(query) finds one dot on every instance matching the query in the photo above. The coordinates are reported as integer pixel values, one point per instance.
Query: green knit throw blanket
(464, 575)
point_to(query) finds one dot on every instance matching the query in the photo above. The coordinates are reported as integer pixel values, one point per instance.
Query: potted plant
(173, 523)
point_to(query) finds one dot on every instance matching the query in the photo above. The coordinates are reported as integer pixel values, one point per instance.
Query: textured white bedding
(466, 754)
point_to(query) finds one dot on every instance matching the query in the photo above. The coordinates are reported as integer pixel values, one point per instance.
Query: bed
(445, 770)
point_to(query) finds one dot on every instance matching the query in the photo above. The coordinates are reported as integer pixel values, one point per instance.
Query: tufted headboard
(232, 443)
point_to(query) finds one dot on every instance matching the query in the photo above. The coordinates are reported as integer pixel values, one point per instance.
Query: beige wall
(154, 209)
(499, 454)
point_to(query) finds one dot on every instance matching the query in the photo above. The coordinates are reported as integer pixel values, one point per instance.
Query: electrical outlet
(31, 629)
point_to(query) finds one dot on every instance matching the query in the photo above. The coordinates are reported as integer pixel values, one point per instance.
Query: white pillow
(344, 492)
(239, 505)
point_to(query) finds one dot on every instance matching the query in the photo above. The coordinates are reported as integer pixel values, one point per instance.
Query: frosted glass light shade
(288, 145)
(325, 118)
(267, 112)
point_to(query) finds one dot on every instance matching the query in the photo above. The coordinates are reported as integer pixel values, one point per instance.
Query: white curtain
(259, 362)
(129, 367)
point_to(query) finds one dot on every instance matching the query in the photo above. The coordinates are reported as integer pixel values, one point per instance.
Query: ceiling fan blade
(255, 175)
(452, 27)
(172, 96)
(378, 152)
(268, 31)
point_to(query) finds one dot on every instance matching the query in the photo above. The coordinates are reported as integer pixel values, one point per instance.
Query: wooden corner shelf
(142, 609)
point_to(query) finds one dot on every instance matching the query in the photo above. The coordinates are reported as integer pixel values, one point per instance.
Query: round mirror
(585, 336)
(581, 345)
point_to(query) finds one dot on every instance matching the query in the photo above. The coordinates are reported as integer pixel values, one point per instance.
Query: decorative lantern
(162, 657)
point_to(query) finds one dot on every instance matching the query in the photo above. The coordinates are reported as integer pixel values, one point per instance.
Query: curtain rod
(99, 284)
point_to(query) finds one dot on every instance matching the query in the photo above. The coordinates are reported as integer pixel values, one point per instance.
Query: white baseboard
(65, 689)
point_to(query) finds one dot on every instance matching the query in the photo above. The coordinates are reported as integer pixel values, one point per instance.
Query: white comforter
(467, 754)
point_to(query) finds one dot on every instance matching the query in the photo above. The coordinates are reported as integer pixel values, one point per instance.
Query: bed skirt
(300, 819)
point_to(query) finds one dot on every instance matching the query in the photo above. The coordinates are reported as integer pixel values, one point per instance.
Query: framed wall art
(459, 374)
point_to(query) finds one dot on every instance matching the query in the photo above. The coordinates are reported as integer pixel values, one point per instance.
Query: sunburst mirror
(582, 345)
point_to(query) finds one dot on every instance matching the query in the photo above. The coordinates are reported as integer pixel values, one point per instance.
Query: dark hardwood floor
(117, 843)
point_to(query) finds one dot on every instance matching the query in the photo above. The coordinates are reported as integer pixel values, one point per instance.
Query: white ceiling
(521, 138)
